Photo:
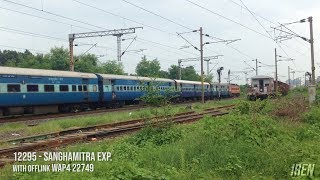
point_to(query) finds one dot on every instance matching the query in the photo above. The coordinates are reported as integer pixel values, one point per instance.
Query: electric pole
(290, 34)
(229, 76)
(208, 59)
(256, 66)
(201, 59)
(201, 51)
(289, 77)
(208, 62)
(293, 81)
(117, 32)
(276, 64)
(313, 82)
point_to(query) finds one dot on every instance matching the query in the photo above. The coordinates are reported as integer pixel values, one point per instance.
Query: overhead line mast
(117, 32)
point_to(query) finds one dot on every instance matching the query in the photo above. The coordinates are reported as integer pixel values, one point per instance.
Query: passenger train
(37, 91)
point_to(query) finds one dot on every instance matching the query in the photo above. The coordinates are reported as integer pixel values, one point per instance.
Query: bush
(254, 107)
(292, 108)
(313, 116)
(156, 135)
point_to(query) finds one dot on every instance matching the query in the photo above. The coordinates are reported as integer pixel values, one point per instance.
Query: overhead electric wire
(138, 38)
(31, 34)
(53, 20)
(30, 49)
(271, 23)
(226, 18)
(122, 17)
(54, 14)
(42, 36)
(151, 12)
(254, 16)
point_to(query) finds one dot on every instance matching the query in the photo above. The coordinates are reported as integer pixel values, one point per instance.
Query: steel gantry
(196, 59)
(117, 32)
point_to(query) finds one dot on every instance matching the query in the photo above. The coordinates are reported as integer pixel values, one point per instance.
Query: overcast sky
(158, 36)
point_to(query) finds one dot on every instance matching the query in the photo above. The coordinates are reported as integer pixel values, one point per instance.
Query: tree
(173, 72)
(208, 78)
(148, 68)
(86, 63)
(9, 58)
(58, 58)
(163, 74)
(112, 67)
(189, 73)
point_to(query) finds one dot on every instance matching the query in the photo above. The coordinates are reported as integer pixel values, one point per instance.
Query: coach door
(113, 91)
(85, 83)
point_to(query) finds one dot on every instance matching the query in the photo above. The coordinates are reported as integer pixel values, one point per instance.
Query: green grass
(249, 143)
(6, 130)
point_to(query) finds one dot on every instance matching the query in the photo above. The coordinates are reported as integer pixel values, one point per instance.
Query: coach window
(85, 88)
(95, 88)
(64, 88)
(32, 88)
(13, 88)
(79, 88)
(74, 88)
(48, 88)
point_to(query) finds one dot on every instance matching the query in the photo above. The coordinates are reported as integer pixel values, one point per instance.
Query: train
(38, 91)
(263, 87)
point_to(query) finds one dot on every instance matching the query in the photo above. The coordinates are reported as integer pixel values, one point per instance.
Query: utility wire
(122, 17)
(25, 33)
(54, 14)
(31, 34)
(188, 41)
(52, 20)
(144, 9)
(226, 18)
(35, 50)
(254, 16)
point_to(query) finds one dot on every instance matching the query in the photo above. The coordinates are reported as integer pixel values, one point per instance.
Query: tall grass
(249, 143)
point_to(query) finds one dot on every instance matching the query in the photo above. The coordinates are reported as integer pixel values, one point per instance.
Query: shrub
(313, 116)
(156, 135)
(291, 108)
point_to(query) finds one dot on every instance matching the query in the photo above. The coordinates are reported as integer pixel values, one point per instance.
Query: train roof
(43, 72)
(139, 78)
(190, 82)
(222, 84)
(261, 77)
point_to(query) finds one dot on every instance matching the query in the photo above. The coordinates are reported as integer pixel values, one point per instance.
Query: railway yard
(159, 90)
(135, 136)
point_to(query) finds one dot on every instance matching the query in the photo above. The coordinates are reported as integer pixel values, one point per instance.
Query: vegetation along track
(57, 139)
(45, 117)
(42, 117)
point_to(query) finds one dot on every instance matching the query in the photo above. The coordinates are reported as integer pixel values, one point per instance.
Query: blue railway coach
(192, 89)
(120, 89)
(39, 91)
(42, 91)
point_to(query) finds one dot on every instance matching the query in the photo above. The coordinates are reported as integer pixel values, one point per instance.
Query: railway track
(46, 117)
(66, 137)
(43, 117)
